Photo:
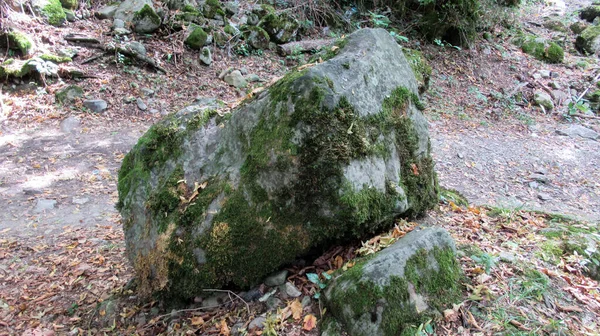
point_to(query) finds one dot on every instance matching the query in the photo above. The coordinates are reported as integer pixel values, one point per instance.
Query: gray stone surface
(388, 264)
(205, 56)
(577, 130)
(543, 99)
(70, 124)
(291, 290)
(95, 105)
(127, 10)
(107, 12)
(137, 47)
(262, 155)
(43, 205)
(140, 104)
(257, 323)
(236, 79)
(118, 23)
(276, 279)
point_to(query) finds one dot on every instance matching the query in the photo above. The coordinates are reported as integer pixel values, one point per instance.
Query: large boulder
(51, 10)
(329, 153)
(401, 286)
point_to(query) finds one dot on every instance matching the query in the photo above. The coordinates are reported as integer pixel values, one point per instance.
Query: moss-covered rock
(146, 20)
(323, 155)
(590, 13)
(55, 58)
(212, 8)
(51, 10)
(196, 38)
(14, 68)
(398, 288)
(420, 67)
(17, 40)
(578, 27)
(257, 37)
(588, 41)
(70, 4)
(588, 246)
(556, 25)
(69, 94)
(541, 49)
(282, 28)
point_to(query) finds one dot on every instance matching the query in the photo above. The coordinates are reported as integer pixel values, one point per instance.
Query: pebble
(507, 257)
(291, 290)
(544, 197)
(257, 323)
(141, 105)
(95, 105)
(80, 200)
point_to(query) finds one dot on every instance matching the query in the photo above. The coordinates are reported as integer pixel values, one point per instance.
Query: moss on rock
(18, 40)
(394, 306)
(55, 58)
(70, 4)
(256, 37)
(282, 28)
(54, 13)
(197, 38)
(14, 68)
(589, 40)
(542, 50)
(420, 66)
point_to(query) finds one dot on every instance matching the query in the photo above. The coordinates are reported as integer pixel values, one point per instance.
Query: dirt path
(51, 179)
(536, 168)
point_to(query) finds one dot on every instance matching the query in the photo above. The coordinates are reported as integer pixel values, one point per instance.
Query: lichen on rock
(320, 156)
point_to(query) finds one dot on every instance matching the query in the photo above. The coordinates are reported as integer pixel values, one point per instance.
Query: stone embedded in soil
(106, 12)
(276, 279)
(543, 99)
(70, 124)
(578, 131)
(44, 205)
(235, 79)
(257, 323)
(95, 105)
(291, 290)
(544, 196)
(140, 104)
(205, 56)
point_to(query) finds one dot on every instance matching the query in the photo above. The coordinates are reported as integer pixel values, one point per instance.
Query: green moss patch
(420, 67)
(54, 12)
(355, 297)
(14, 68)
(197, 38)
(549, 52)
(70, 4)
(19, 41)
(148, 13)
(55, 59)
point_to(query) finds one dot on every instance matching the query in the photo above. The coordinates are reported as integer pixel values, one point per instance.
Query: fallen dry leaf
(310, 322)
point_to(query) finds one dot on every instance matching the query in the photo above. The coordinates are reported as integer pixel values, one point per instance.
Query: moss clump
(70, 4)
(363, 297)
(420, 67)
(54, 12)
(69, 93)
(451, 195)
(197, 38)
(587, 40)
(256, 37)
(19, 41)
(578, 27)
(590, 13)
(213, 8)
(555, 53)
(148, 13)
(55, 58)
(230, 30)
(540, 49)
(14, 68)
(281, 28)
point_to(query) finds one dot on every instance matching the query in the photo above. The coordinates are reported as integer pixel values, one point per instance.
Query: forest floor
(62, 248)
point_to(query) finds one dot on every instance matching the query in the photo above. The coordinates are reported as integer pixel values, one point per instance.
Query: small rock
(533, 185)
(537, 76)
(140, 104)
(251, 78)
(147, 92)
(543, 99)
(118, 23)
(306, 301)
(215, 300)
(291, 290)
(80, 200)
(225, 72)
(273, 303)
(95, 105)
(540, 178)
(70, 15)
(251, 295)
(32, 191)
(236, 79)
(257, 323)
(555, 85)
(244, 71)
(507, 257)
(580, 131)
(121, 31)
(70, 124)
(44, 204)
(69, 94)
(153, 111)
(544, 197)
(137, 47)
(206, 56)
(544, 73)
(276, 279)
(560, 96)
